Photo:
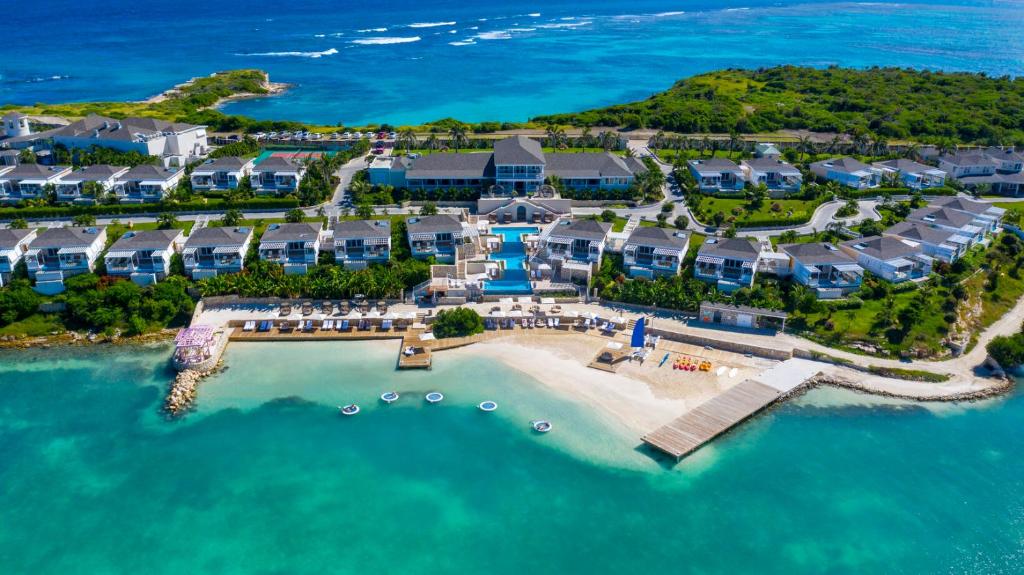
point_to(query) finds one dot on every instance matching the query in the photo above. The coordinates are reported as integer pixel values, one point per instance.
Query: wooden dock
(687, 433)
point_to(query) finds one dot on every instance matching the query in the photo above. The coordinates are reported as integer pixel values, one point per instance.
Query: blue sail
(638, 334)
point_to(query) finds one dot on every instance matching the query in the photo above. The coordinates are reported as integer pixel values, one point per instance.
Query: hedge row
(874, 192)
(213, 204)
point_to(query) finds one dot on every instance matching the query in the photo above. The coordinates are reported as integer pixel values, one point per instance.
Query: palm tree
(407, 138)
(860, 141)
(554, 135)
(458, 136)
(833, 144)
(880, 146)
(432, 142)
(585, 138)
(912, 151)
(803, 145)
(607, 140)
(706, 144)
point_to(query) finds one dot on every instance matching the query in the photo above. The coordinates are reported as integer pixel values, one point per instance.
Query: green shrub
(457, 322)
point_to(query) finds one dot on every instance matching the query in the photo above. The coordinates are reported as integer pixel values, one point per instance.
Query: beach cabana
(194, 345)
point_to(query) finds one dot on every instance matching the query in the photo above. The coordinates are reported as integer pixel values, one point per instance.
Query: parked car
(392, 135)
(357, 135)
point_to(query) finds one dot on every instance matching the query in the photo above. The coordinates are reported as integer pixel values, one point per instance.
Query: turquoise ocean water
(266, 478)
(406, 61)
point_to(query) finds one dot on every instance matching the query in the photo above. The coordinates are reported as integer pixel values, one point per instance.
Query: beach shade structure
(638, 334)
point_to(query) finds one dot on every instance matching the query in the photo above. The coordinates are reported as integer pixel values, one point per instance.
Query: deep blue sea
(411, 61)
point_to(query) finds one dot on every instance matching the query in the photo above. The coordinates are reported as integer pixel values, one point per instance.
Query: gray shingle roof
(845, 165)
(32, 171)
(713, 166)
(882, 247)
(968, 159)
(943, 216)
(816, 253)
(225, 164)
(293, 232)
(277, 164)
(452, 165)
(962, 205)
(920, 233)
(583, 229)
(659, 238)
(146, 240)
(518, 150)
(149, 172)
(730, 248)
(10, 238)
(213, 237)
(905, 166)
(66, 237)
(433, 224)
(587, 165)
(771, 164)
(97, 173)
(103, 128)
(348, 229)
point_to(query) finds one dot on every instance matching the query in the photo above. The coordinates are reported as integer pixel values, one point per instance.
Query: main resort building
(517, 165)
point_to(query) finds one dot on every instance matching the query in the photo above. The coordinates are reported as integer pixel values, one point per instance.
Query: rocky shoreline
(1004, 386)
(75, 339)
(181, 396)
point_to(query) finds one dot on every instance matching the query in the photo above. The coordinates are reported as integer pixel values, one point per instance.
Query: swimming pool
(513, 253)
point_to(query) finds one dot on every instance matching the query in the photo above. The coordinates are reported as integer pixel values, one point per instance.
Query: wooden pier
(687, 433)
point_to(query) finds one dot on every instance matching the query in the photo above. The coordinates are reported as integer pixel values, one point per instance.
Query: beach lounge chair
(386, 324)
(557, 321)
(344, 325)
(248, 326)
(588, 323)
(328, 324)
(526, 323)
(551, 322)
(364, 325)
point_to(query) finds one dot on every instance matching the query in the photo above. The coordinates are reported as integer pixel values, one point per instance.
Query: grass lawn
(841, 328)
(791, 210)
(36, 325)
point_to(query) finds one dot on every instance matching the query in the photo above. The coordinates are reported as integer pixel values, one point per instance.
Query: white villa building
(849, 172)
(13, 245)
(965, 224)
(830, 272)
(571, 249)
(175, 143)
(717, 175)
(28, 181)
(59, 253)
(295, 245)
(893, 259)
(914, 175)
(1002, 170)
(212, 251)
(358, 243)
(729, 263)
(70, 188)
(144, 256)
(941, 244)
(147, 183)
(221, 174)
(276, 175)
(776, 174)
(651, 252)
(441, 236)
(982, 211)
